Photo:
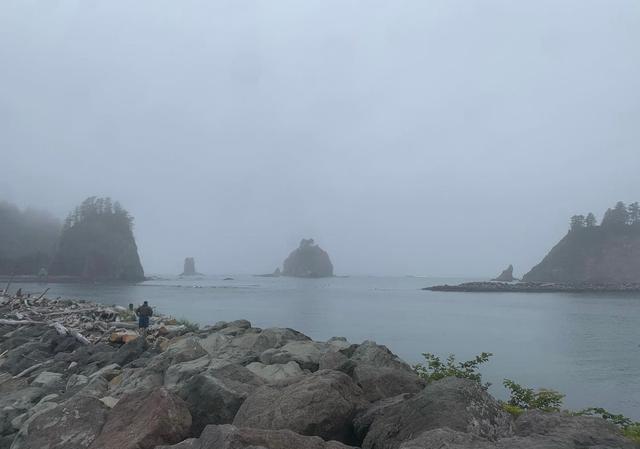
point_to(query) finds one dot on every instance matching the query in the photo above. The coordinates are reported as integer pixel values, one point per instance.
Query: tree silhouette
(590, 221)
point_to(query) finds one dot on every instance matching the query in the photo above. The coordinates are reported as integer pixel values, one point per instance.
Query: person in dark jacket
(144, 312)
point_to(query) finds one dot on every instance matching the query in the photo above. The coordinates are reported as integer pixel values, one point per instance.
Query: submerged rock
(308, 261)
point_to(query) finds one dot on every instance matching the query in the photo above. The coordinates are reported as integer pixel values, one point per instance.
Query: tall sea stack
(189, 267)
(97, 243)
(308, 261)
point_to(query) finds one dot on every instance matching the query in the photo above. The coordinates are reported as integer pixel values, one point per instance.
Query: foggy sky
(407, 137)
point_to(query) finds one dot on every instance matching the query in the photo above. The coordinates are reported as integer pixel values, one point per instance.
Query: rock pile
(234, 386)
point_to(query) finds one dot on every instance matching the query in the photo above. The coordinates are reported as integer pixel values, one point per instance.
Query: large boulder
(323, 404)
(307, 354)
(215, 395)
(15, 404)
(568, 431)
(144, 421)
(308, 261)
(73, 424)
(275, 372)
(534, 430)
(382, 374)
(459, 404)
(231, 437)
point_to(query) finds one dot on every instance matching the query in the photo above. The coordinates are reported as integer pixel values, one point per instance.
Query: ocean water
(584, 345)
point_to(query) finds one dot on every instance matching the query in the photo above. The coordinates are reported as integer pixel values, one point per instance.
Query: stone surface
(323, 404)
(144, 421)
(305, 353)
(275, 372)
(459, 404)
(72, 425)
(214, 396)
(231, 437)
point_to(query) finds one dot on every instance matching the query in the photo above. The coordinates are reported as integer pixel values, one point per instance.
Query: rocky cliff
(97, 243)
(598, 254)
(308, 261)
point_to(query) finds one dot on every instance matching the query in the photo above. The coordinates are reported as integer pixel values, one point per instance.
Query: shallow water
(585, 345)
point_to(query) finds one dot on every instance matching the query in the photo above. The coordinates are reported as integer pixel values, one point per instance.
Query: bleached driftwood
(19, 322)
(31, 369)
(62, 330)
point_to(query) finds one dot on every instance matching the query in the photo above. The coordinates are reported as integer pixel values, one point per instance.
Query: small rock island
(506, 275)
(308, 261)
(190, 267)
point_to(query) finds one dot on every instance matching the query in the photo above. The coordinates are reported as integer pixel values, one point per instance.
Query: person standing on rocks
(144, 312)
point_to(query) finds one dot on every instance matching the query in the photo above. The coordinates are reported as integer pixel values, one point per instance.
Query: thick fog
(443, 138)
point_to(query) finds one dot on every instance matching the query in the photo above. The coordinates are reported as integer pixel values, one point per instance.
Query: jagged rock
(71, 425)
(232, 437)
(459, 404)
(275, 372)
(130, 351)
(365, 417)
(539, 430)
(144, 421)
(323, 404)
(15, 404)
(382, 374)
(48, 380)
(308, 261)
(506, 275)
(306, 353)
(214, 396)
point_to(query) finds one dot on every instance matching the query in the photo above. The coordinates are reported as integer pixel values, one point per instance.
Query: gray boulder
(74, 424)
(459, 404)
(214, 396)
(323, 404)
(145, 420)
(275, 372)
(231, 437)
(306, 353)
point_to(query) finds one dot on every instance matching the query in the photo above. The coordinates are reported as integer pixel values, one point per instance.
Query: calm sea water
(585, 345)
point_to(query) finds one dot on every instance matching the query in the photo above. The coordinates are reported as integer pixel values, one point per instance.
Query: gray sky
(407, 137)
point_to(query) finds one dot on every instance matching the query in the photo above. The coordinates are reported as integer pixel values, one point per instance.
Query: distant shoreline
(63, 280)
(533, 287)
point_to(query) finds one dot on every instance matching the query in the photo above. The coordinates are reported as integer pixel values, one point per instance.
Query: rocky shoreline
(77, 375)
(536, 287)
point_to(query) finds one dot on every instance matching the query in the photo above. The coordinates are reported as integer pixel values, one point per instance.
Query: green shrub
(435, 368)
(528, 398)
(189, 325)
(512, 409)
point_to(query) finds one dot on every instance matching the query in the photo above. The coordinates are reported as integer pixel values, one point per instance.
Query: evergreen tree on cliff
(97, 243)
(605, 254)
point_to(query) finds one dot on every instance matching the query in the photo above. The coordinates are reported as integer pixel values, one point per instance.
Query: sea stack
(308, 261)
(189, 267)
(506, 275)
(592, 254)
(97, 243)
